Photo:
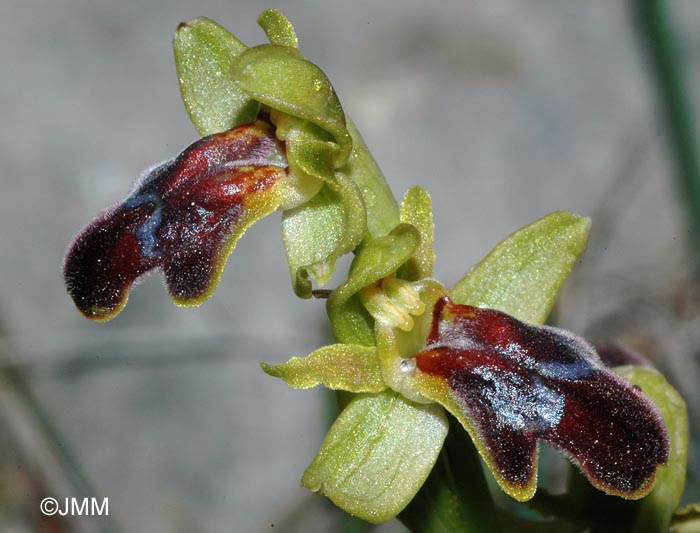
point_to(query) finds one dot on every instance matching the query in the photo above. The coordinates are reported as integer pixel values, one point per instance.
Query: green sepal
(417, 210)
(376, 260)
(377, 454)
(318, 232)
(348, 367)
(382, 209)
(204, 51)
(282, 79)
(522, 275)
(656, 509)
(278, 28)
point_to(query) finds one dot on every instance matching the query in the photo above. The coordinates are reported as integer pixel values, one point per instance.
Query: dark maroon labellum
(180, 218)
(520, 383)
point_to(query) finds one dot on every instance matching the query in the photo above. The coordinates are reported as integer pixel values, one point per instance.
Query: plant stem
(661, 42)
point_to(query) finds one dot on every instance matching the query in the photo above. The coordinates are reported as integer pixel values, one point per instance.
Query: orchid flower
(268, 144)
(511, 384)
(410, 351)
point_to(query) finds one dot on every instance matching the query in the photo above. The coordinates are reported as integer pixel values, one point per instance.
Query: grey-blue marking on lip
(521, 404)
(575, 359)
(146, 233)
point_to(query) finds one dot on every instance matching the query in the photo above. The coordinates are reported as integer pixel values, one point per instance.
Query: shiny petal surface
(183, 217)
(512, 384)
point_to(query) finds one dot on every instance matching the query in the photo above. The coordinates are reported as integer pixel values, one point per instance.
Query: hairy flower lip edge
(428, 384)
(126, 242)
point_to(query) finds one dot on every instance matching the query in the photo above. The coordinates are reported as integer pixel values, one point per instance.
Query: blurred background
(504, 110)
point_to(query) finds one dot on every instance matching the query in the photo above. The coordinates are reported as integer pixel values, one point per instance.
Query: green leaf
(657, 508)
(204, 51)
(379, 258)
(417, 210)
(522, 275)
(278, 28)
(348, 367)
(319, 231)
(281, 78)
(377, 454)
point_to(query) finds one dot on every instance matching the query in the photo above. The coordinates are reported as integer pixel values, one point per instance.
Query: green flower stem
(662, 47)
(455, 497)
(382, 208)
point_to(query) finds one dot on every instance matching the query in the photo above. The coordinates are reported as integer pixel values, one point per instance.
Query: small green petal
(278, 28)
(318, 232)
(522, 275)
(348, 367)
(281, 78)
(204, 51)
(377, 454)
(379, 258)
(657, 508)
(417, 210)
(310, 149)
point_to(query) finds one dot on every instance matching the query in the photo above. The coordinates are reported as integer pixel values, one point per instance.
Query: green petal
(378, 259)
(657, 508)
(417, 210)
(318, 232)
(377, 454)
(278, 28)
(348, 367)
(204, 51)
(522, 275)
(281, 78)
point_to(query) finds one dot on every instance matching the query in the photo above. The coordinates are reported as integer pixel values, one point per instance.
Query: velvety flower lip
(513, 384)
(183, 217)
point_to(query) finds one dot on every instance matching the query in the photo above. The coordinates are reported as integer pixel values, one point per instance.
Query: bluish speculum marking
(521, 403)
